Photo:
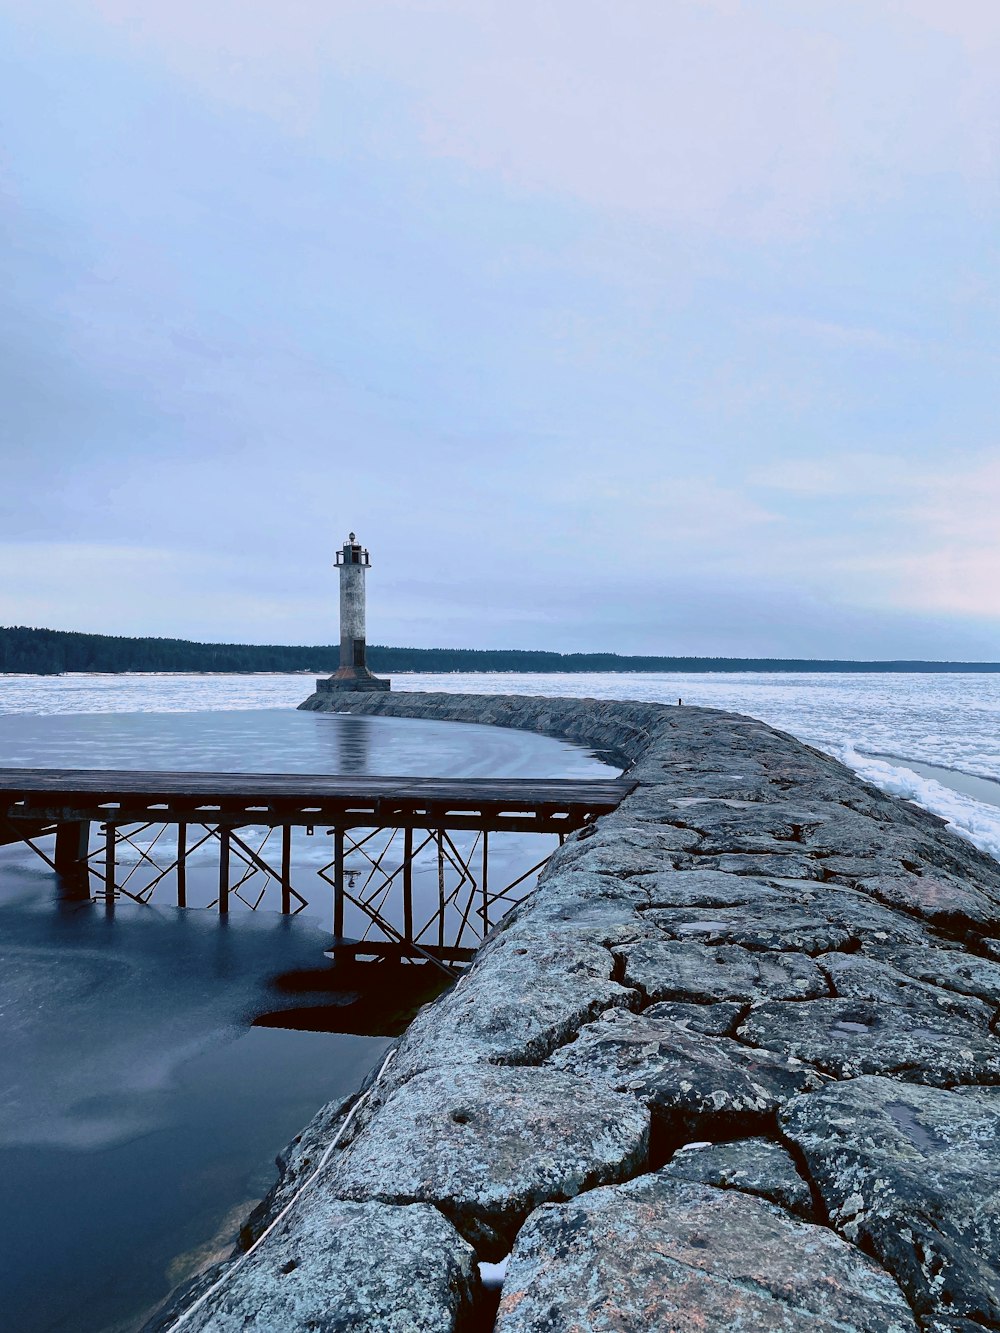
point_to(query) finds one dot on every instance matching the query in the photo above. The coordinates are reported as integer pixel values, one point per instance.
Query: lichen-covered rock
(666, 1254)
(937, 897)
(870, 923)
(699, 888)
(626, 848)
(913, 1174)
(677, 970)
(500, 1012)
(696, 1085)
(789, 864)
(755, 1166)
(339, 1267)
(755, 826)
(486, 1145)
(599, 905)
(715, 1020)
(778, 924)
(856, 977)
(951, 969)
(913, 1038)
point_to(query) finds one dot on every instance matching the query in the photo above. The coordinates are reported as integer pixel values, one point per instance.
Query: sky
(650, 326)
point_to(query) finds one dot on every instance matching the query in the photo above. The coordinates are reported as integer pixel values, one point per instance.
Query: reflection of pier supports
(72, 850)
(369, 817)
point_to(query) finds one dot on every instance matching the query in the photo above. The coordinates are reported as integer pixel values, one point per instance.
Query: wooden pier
(383, 823)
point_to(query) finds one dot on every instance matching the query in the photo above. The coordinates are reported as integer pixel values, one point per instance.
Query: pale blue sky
(655, 325)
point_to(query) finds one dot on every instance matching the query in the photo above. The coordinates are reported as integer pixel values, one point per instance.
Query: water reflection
(139, 1112)
(353, 741)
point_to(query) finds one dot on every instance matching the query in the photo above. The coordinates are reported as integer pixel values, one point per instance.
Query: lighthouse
(353, 564)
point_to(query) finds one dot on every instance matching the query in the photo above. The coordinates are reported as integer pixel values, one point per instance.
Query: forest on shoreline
(50, 652)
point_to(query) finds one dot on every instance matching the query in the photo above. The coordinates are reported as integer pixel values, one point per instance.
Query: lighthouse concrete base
(351, 680)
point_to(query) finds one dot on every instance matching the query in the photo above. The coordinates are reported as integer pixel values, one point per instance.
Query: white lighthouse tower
(353, 564)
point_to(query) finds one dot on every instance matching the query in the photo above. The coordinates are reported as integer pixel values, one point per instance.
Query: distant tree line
(50, 651)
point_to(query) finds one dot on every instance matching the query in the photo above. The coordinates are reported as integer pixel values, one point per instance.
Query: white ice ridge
(973, 820)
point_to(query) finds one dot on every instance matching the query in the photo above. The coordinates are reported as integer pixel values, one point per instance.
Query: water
(909, 734)
(139, 1112)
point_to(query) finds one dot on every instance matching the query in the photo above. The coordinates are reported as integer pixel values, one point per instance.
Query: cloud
(851, 337)
(850, 474)
(751, 119)
(909, 536)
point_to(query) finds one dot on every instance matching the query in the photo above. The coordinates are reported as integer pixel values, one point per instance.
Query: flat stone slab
(679, 970)
(626, 849)
(754, 1166)
(715, 1020)
(666, 1254)
(779, 926)
(856, 977)
(781, 914)
(952, 969)
(911, 1038)
(700, 888)
(913, 1174)
(499, 1012)
(697, 1085)
(783, 863)
(339, 1267)
(938, 898)
(486, 1145)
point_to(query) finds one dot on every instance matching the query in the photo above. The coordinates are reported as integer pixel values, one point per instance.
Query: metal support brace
(224, 870)
(408, 883)
(109, 864)
(286, 869)
(182, 865)
(338, 882)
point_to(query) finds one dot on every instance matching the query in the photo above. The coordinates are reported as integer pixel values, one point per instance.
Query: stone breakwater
(732, 1066)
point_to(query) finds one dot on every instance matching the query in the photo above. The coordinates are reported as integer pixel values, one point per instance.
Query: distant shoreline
(46, 652)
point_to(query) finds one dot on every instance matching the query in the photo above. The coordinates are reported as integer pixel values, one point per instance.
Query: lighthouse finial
(351, 537)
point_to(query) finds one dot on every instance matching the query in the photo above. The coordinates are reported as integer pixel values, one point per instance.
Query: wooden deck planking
(517, 804)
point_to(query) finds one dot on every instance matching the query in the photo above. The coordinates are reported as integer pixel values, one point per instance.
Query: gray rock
(952, 970)
(500, 1012)
(938, 898)
(486, 1145)
(788, 864)
(913, 1174)
(665, 1254)
(845, 1038)
(755, 1166)
(616, 848)
(869, 922)
(699, 888)
(853, 976)
(756, 826)
(715, 1020)
(677, 970)
(581, 900)
(766, 924)
(697, 1086)
(336, 1267)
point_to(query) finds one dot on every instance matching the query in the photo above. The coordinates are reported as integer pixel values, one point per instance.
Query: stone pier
(732, 1066)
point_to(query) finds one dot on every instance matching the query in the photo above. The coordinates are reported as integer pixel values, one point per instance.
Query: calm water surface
(139, 1112)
